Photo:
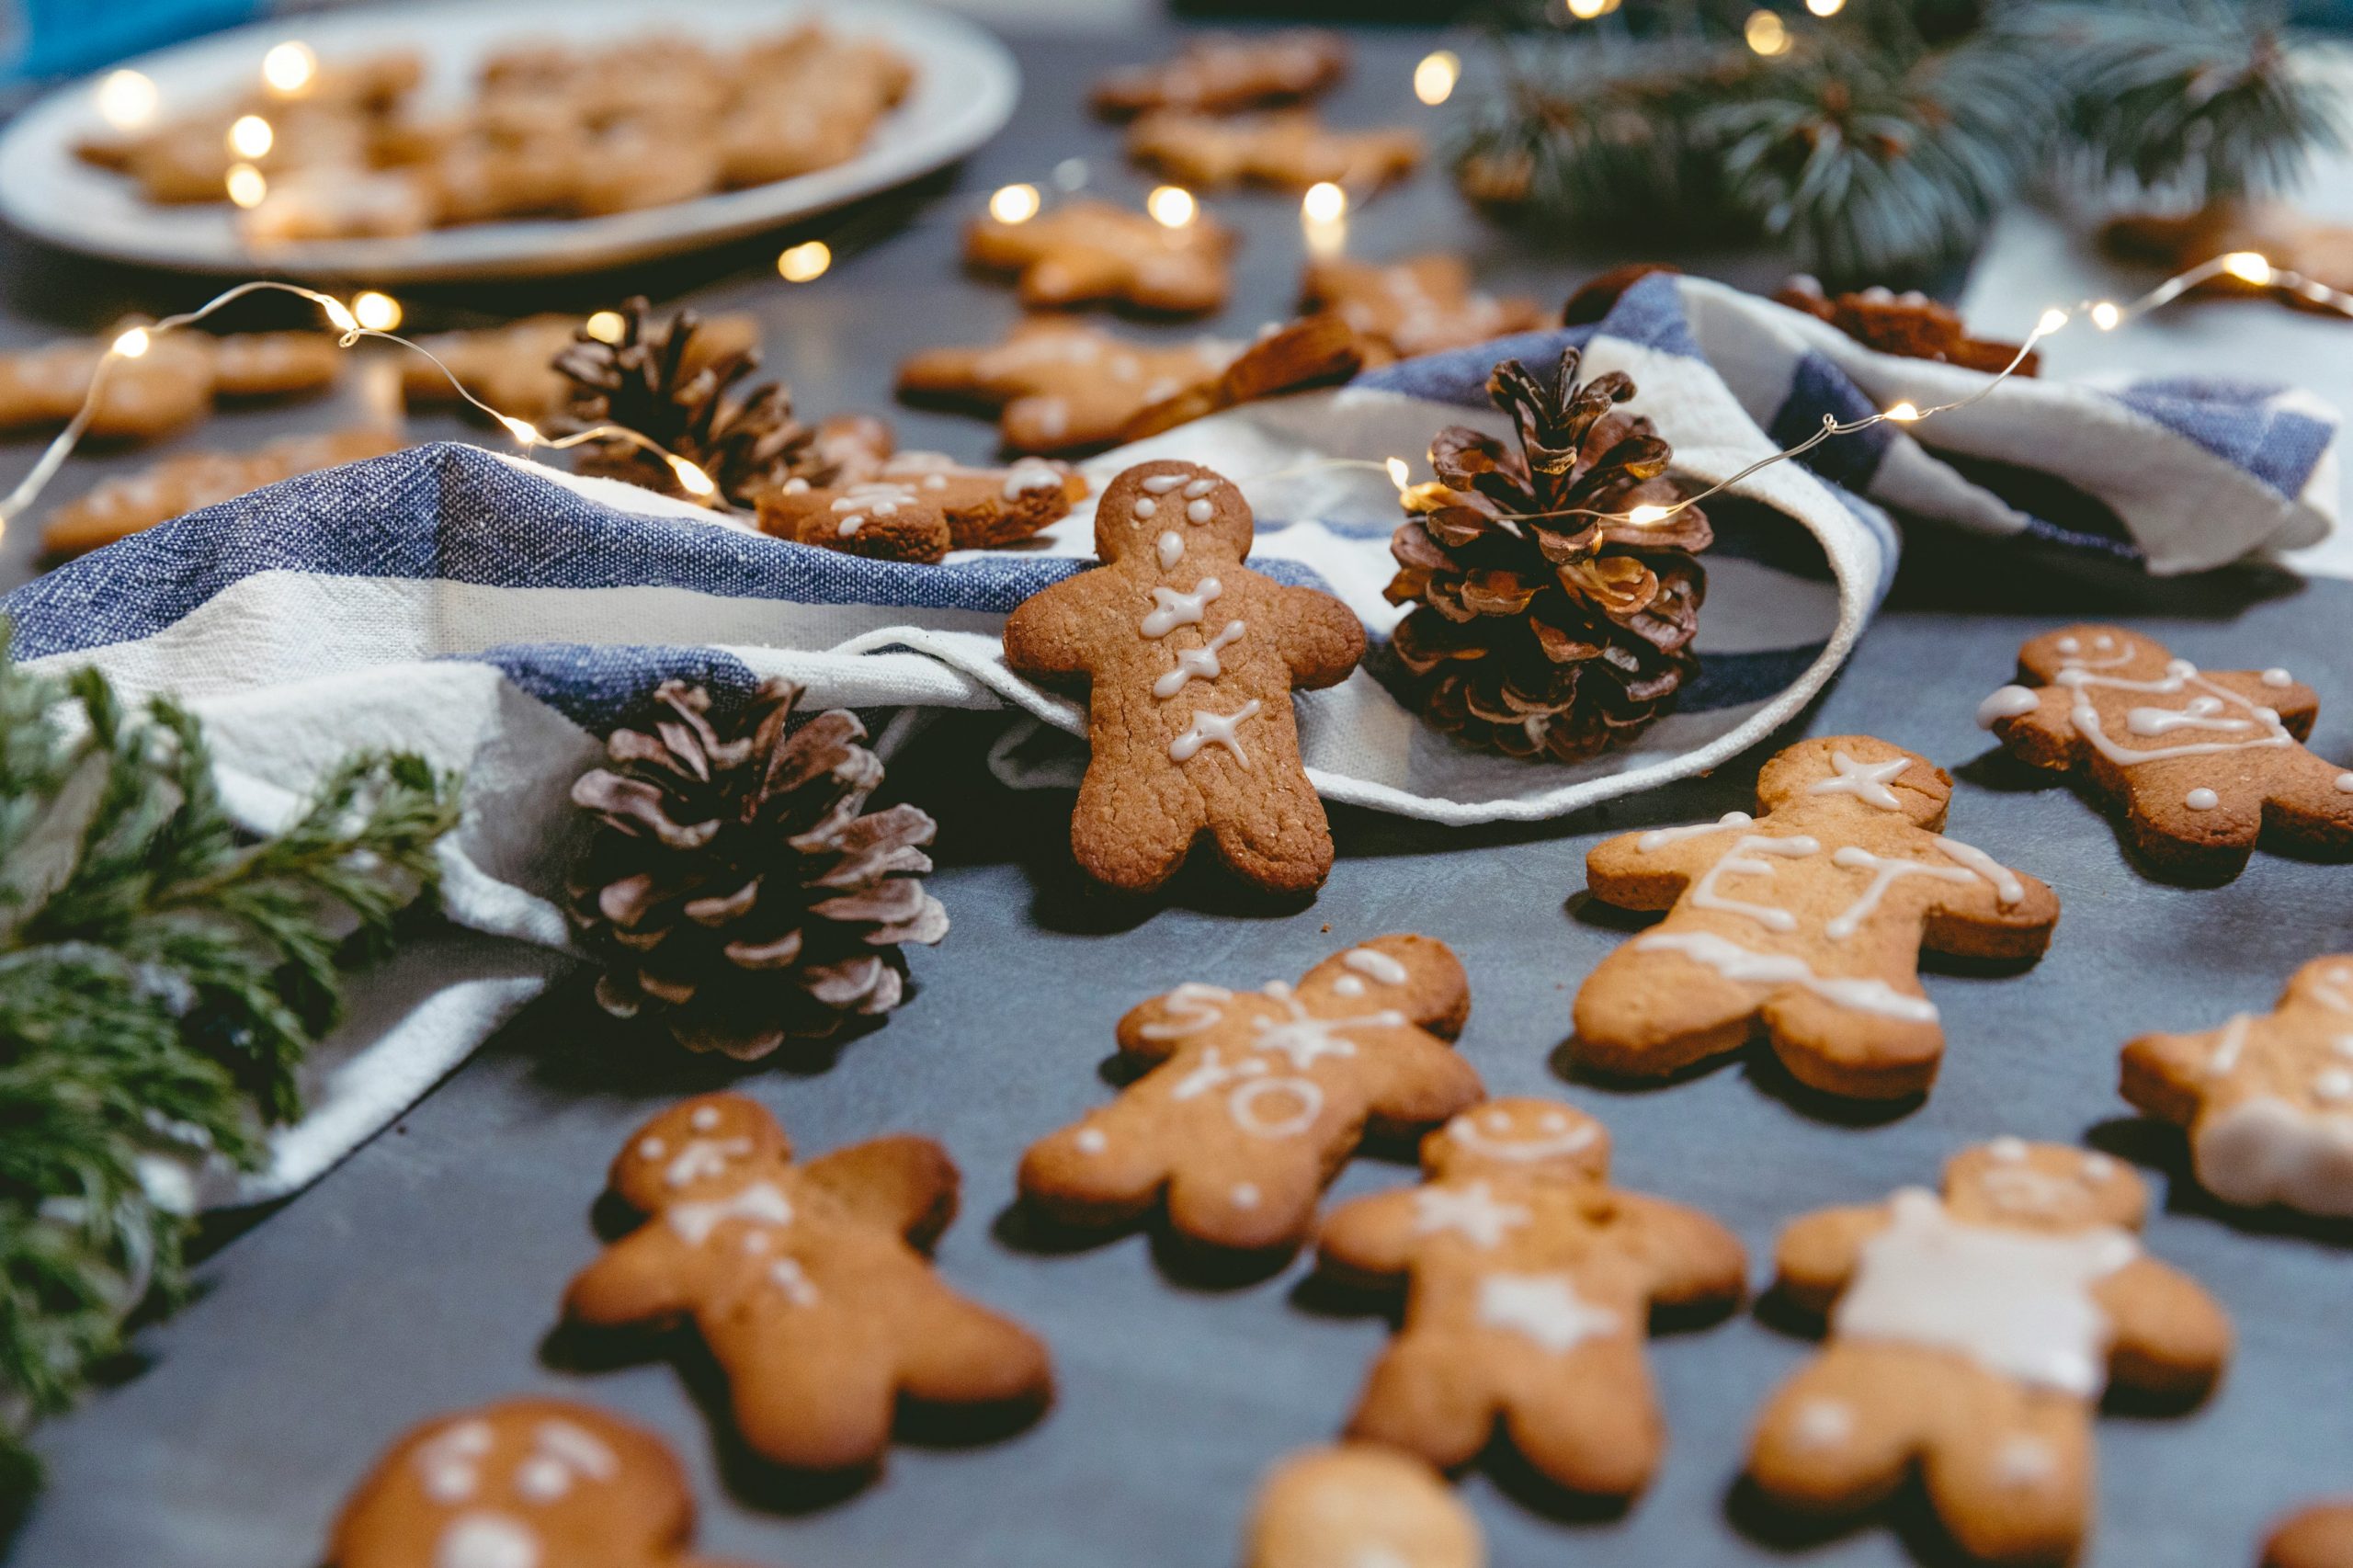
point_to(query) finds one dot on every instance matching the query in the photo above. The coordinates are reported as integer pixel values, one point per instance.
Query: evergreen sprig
(161, 976)
(1880, 142)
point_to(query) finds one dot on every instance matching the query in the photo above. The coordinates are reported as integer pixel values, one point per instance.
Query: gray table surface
(423, 1274)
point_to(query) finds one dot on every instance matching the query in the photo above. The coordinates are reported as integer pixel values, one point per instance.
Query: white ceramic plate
(965, 86)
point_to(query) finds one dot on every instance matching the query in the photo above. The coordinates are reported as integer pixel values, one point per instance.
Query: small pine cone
(734, 888)
(1538, 633)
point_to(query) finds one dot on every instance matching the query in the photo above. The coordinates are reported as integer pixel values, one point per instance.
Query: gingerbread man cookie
(1091, 252)
(2200, 763)
(1360, 1506)
(2318, 1537)
(1424, 305)
(804, 1279)
(1255, 1098)
(1220, 74)
(1188, 658)
(512, 368)
(1292, 151)
(1532, 1282)
(1970, 1336)
(2268, 1101)
(1809, 919)
(919, 506)
(521, 1483)
(1063, 386)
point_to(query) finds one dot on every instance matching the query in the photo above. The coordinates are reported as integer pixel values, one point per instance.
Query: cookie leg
(1850, 1050)
(2018, 1490)
(2315, 811)
(1277, 839)
(1106, 1170)
(1425, 1396)
(963, 1354)
(1840, 1435)
(1247, 1205)
(821, 1401)
(1648, 1013)
(1134, 822)
(1592, 1426)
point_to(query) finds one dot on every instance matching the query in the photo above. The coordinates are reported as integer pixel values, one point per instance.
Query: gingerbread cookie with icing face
(2318, 1537)
(2200, 764)
(1425, 304)
(1221, 73)
(805, 1279)
(1189, 659)
(1360, 1506)
(919, 506)
(1808, 921)
(521, 1483)
(1289, 151)
(1970, 1336)
(2268, 1101)
(1091, 252)
(1531, 1285)
(1255, 1098)
(1062, 386)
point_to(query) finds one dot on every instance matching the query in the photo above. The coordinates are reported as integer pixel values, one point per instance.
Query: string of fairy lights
(127, 99)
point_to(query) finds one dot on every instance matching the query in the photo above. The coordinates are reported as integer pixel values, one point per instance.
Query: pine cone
(652, 379)
(733, 887)
(1553, 636)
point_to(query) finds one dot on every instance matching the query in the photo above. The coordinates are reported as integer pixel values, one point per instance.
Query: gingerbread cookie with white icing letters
(1360, 1506)
(2267, 1099)
(1970, 1337)
(1807, 921)
(1189, 659)
(2200, 764)
(1254, 1100)
(1531, 1285)
(805, 1279)
(521, 1483)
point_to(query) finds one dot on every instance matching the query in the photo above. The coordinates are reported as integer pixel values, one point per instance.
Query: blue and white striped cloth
(500, 616)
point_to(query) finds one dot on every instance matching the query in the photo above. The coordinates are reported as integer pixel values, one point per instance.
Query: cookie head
(1156, 499)
(2110, 650)
(1859, 770)
(2042, 1186)
(1359, 1505)
(535, 1481)
(1520, 1137)
(698, 1150)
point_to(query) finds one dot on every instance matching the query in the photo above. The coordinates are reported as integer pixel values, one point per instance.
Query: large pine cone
(1535, 631)
(734, 888)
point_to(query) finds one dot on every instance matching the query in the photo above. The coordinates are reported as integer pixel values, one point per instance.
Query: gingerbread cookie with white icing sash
(806, 1279)
(1530, 1283)
(1971, 1335)
(1808, 921)
(521, 1483)
(1254, 1100)
(2200, 764)
(2267, 1098)
(1189, 659)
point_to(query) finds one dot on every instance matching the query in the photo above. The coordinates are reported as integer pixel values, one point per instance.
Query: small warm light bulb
(127, 99)
(1585, 10)
(1825, 7)
(522, 430)
(805, 261)
(605, 326)
(246, 186)
(1014, 204)
(2106, 314)
(1323, 203)
(1767, 34)
(2052, 320)
(377, 312)
(1907, 412)
(1646, 514)
(2247, 267)
(1398, 471)
(133, 343)
(289, 67)
(338, 313)
(1171, 206)
(1435, 77)
(250, 136)
(692, 480)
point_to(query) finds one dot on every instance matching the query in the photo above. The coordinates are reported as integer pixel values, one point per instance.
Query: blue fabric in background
(62, 37)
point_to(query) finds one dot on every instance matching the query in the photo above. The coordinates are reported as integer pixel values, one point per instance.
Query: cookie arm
(1321, 639)
(2172, 1338)
(2043, 735)
(642, 1278)
(944, 373)
(2162, 1074)
(1369, 1241)
(1693, 1260)
(1620, 872)
(1819, 1252)
(1971, 920)
(906, 1183)
(2297, 704)
(1047, 635)
(1417, 1082)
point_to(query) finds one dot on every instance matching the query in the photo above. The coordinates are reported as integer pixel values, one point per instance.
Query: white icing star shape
(1472, 1210)
(1867, 782)
(1545, 1307)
